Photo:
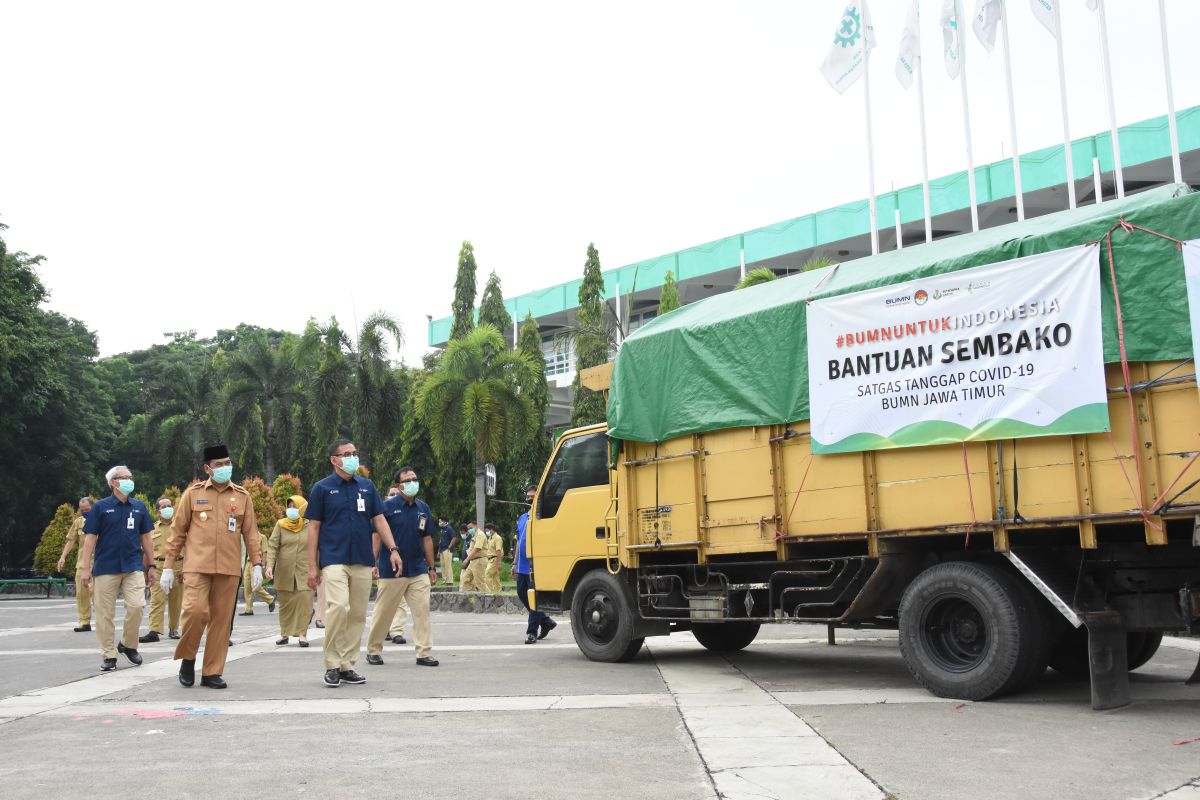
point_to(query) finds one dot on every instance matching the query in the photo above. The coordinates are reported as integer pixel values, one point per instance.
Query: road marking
(752, 745)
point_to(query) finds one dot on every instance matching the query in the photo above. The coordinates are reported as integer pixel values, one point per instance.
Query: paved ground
(788, 717)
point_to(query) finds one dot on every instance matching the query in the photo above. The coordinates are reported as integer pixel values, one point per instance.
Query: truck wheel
(726, 637)
(601, 619)
(1142, 647)
(1070, 656)
(968, 631)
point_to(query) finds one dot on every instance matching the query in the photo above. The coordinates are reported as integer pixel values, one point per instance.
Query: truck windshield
(581, 461)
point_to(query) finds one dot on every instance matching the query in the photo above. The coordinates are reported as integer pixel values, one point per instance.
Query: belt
(491, 558)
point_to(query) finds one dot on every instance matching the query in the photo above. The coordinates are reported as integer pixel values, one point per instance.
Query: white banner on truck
(995, 352)
(1191, 270)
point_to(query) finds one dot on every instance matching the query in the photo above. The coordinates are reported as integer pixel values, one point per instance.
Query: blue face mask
(222, 474)
(411, 488)
(293, 513)
(166, 513)
(350, 464)
(125, 486)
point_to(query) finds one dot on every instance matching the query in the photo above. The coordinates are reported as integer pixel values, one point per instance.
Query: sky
(196, 165)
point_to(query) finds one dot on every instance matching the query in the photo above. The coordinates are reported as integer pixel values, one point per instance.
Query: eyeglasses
(347, 455)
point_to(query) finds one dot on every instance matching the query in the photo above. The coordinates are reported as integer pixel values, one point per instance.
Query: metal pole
(870, 150)
(919, 69)
(1062, 93)
(1106, 65)
(1096, 181)
(1012, 111)
(1175, 165)
(962, 80)
(899, 230)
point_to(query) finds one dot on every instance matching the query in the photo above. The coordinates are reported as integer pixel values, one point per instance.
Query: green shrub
(284, 487)
(45, 558)
(265, 510)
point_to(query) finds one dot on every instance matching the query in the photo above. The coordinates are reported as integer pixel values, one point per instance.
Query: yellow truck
(714, 501)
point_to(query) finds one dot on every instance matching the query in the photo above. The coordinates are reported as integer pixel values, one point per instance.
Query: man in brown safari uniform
(212, 520)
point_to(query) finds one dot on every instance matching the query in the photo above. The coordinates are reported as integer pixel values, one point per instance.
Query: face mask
(125, 486)
(393, 494)
(222, 474)
(166, 513)
(411, 488)
(293, 513)
(350, 464)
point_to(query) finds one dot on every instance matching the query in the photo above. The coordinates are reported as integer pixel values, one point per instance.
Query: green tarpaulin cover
(741, 358)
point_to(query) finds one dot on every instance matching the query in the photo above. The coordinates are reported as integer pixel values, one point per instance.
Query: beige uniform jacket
(76, 530)
(287, 556)
(479, 545)
(202, 524)
(495, 546)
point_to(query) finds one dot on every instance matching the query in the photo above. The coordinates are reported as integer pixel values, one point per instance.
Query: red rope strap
(970, 497)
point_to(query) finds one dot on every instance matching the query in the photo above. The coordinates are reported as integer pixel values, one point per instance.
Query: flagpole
(1062, 93)
(1175, 165)
(919, 69)
(962, 80)
(1012, 111)
(1108, 97)
(870, 150)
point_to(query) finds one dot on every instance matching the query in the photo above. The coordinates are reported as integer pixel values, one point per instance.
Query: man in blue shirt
(345, 514)
(447, 538)
(539, 623)
(411, 525)
(118, 557)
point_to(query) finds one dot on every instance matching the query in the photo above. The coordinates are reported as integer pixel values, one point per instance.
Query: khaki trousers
(347, 593)
(393, 591)
(447, 567)
(491, 576)
(208, 602)
(261, 594)
(171, 603)
(320, 606)
(398, 621)
(295, 608)
(132, 588)
(473, 576)
(83, 601)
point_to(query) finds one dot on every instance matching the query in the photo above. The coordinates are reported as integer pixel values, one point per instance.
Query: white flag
(987, 19)
(846, 59)
(1092, 4)
(910, 47)
(1044, 11)
(950, 43)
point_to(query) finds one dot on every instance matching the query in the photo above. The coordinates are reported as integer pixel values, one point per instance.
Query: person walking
(214, 520)
(495, 557)
(473, 564)
(468, 539)
(83, 594)
(411, 526)
(119, 557)
(248, 592)
(344, 511)
(396, 631)
(538, 624)
(163, 603)
(287, 565)
(447, 539)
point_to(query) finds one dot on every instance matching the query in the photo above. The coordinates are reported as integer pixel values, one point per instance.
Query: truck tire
(1070, 654)
(602, 620)
(726, 637)
(968, 631)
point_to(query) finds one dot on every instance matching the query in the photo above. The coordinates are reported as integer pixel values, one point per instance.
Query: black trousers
(536, 618)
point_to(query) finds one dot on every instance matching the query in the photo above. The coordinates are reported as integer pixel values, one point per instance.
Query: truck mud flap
(1107, 659)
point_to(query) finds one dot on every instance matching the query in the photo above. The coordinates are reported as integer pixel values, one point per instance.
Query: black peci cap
(214, 452)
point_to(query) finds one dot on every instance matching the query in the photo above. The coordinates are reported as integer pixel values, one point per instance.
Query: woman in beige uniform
(287, 564)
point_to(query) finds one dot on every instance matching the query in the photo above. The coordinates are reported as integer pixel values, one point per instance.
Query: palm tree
(263, 379)
(478, 398)
(754, 277)
(186, 398)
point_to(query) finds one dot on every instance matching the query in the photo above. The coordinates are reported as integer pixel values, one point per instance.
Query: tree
(668, 298)
(531, 459)
(754, 277)
(284, 487)
(464, 293)
(478, 399)
(817, 262)
(592, 342)
(378, 396)
(266, 512)
(182, 421)
(263, 379)
(492, 310)
(54, 538)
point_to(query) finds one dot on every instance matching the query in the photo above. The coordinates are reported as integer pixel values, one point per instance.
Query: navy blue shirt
(118, 528)
(466, 543)
(345, 535)
(522, 564)
(411, 523)
(447, 533)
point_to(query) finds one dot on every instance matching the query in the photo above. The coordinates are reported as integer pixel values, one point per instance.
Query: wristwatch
(395, 549)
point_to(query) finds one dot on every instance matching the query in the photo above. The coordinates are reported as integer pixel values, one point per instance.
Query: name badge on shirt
(362, 504)
(421, 524)
(129, 522)
(232, 524)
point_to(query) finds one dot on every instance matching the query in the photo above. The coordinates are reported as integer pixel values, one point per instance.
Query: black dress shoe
(245, 613)
(134, 657)
(174, 634)
(83, 628)
(546, 628)
(531, 638)
(271, 606)
(213, 682)
(427, 661)
(332, 677)
(350, 676)
(281, 640)
(151, 636)
(375, 661)
(398, 639)
(303, 642)
(108, 665)
(187, 671)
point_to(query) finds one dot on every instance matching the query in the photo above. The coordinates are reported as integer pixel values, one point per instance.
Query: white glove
(256, 581)
(168, 578)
